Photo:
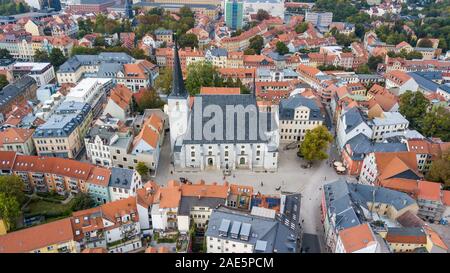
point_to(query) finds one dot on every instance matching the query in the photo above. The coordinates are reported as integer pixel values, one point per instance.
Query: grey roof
(13, 90)
(406, 231)
(188, 202)
(361, 145)
(445, 87)
(267, 235)
(423, 82)
(353, 118)
(287, 107)
(240, 132)
(105, 133)
(72, 64)
(64, 120)
(219, 52)
(346, 201)
(178, 89)
(121, 178)
(106, 70)
(122, 142)
(276, 56)
(161, 31)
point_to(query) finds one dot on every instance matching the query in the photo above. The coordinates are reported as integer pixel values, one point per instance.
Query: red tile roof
(30, 239)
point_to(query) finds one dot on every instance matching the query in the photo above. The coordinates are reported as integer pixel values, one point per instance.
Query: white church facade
(219, 131)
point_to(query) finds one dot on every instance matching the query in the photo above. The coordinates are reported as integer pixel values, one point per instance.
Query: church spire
(178, 89)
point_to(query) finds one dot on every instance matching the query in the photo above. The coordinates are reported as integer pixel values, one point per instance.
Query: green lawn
(49, 209)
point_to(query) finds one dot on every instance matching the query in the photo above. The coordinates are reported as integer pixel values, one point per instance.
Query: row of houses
(224, 212)
(360, 218)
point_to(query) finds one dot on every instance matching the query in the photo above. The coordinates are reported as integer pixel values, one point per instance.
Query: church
(219, 131)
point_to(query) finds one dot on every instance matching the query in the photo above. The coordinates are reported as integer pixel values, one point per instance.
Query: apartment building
(98, 141)
(430, 201)
(62, 134)
(114, 226)
(164, 35)
(42, 73)
(380, 166)
(231, 231)
(103, 65)
(59, 238)
(123, 183)
(92, 91)
(426, 151)
(298, 115)
(405, 239)
(349, 205)
(127, 150)
(18, 140)
(119, 102)
(17, 93)
(387, 123)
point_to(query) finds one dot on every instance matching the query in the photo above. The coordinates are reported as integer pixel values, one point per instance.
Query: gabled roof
(357, 237)
(7, 160)
(430, 191)
(121, 95)
(37, 237)
(394, 164)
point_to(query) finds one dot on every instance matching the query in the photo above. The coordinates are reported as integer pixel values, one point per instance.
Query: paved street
(290, 176)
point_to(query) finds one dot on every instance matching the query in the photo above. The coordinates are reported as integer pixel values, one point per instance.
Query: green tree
(12, 185)
(149, 100)
(57, 58)
(99, 41)
(41, 56)
(82, 201)
(413, 105)
(249, 51)
(9, 210)
(281, 48)
(440, 170)
(142, 169)
(202, 74)
(188, 40)
(185, 11)
(374, 61)
(257, 43)
(363, 69)
(315, 144)
(302, 27)
(3, 81)
(414, 55)
(425, 43)
(436, 123)
(4, 54)
(164, 80)
(262, 15)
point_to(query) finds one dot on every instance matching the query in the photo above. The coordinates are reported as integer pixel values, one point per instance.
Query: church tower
(128, 9)
(178, 102)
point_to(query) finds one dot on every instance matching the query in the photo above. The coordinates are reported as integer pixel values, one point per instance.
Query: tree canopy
(202, 74)
(315, 144)
(188, 40)
(149, 100)
(262, 15)
(3, 81)
(4, 54)
(82, 201)
(256, 43)
(440, 170)
(281, 48)
(11, 198)
(413, 105)
(141, 168)
(164, 80)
